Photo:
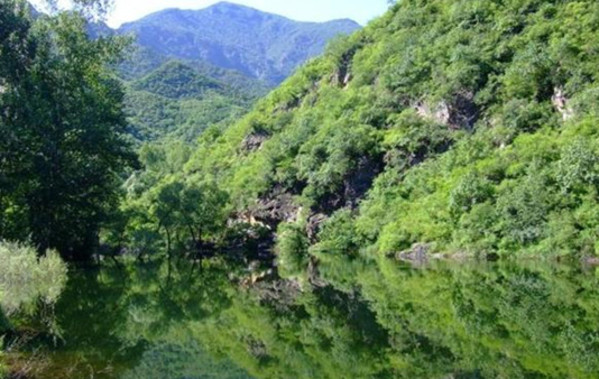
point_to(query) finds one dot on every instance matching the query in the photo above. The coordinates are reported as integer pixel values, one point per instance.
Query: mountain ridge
(223, 5)
(261, 45)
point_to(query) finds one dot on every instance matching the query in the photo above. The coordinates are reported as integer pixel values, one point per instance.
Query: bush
(25, 278)
(523, 208)
(577, 166)
(338, 235)
(472, 189)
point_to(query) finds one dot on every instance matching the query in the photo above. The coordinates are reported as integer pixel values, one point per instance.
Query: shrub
(338, 235)
(472, 189)
(577, 166)
(25, 278)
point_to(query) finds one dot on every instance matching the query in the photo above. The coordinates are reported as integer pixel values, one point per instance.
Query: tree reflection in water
(380, 320)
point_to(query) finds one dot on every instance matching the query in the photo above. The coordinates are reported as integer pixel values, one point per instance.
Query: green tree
(187, 212)
(62, 125)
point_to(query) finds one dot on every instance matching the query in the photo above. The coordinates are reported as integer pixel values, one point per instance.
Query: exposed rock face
(279, 205)
(276, 207)
(560, 102)
(347, 79)
(254, 141)
(258, 224)
(590, 261)
(344, 75)
(419, 253)
(438, 113)
(460, 113)
(464, 112)
(355, 186)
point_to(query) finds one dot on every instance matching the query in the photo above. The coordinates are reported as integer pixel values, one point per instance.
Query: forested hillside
(79, 101)
(463, 126)
(178, 101)
(451, 127)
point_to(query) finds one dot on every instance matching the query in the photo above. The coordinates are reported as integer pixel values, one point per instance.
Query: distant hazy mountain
(262, 45)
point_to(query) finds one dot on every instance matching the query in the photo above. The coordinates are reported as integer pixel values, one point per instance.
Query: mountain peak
(226, 5)
(240, 12)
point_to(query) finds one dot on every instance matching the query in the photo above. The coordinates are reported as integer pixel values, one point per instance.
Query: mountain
(261, 45)
(176, 80)
(141, 61)
(225, 56)
(181, 99)
(452, 127)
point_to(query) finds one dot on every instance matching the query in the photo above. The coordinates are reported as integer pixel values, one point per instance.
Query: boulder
(419, 253)
(253, 141)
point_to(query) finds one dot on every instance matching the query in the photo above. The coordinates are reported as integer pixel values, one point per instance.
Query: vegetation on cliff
(465, 126)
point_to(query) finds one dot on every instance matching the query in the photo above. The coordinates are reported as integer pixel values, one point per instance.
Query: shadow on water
(439, 321)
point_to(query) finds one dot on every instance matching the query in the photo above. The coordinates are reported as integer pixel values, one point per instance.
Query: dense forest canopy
(178, 100)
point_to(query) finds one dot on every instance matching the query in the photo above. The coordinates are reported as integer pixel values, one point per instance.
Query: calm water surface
(387, 320)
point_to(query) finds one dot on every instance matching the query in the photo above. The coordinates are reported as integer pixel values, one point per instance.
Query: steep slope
(178, 100)
(463, 126)
(231, 36)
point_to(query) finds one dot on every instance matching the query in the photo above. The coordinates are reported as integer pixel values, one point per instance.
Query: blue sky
(304, 10)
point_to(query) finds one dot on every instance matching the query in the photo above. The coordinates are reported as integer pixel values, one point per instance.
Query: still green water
(386, 320)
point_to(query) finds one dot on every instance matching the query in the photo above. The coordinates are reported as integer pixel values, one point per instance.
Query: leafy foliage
(62, 126)
(164, 211)
(25, 279)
